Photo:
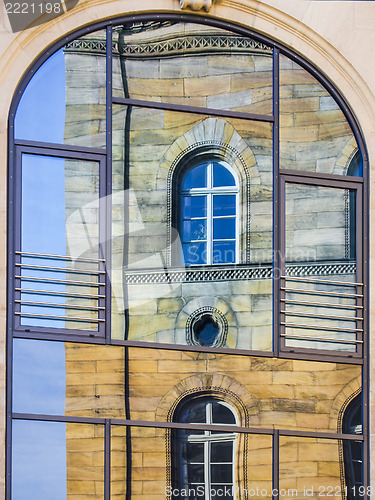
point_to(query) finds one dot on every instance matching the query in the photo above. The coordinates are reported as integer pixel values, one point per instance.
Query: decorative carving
(196, 4)
(233, 273)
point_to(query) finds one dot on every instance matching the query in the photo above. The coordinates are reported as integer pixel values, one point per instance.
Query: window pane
(276, 384)
(195, 253)
(193, 452)
(69, 379)
(221, 414)
(194, 413)
(194, 206)
(224, 228)
(222, 176)
(65, 101)
(152, 250)
(222, 452)
(194, 230)
(322, 300)
(206, 330)
(49, 460)
(314, 133)
(199, 66)
(59, 223)
(224, 252)
(196, 178)
(221, 473)
(310, 464)
(195, 473)
(224, 205)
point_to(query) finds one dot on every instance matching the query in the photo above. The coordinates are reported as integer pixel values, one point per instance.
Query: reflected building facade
(195, 300)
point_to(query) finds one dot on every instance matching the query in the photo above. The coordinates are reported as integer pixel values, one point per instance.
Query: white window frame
(209, 191)
(206, 439)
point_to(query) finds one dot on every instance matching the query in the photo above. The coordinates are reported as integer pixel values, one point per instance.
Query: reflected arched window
(353, 450)
(209, 214)
(204, 461)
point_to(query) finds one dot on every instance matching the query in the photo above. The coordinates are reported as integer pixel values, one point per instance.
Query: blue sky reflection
(39, 460)
(39, 377)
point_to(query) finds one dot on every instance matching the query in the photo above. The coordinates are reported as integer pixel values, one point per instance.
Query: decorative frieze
(179, 275)
(170, 46)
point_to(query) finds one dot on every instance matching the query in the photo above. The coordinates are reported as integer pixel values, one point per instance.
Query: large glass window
(187, 281)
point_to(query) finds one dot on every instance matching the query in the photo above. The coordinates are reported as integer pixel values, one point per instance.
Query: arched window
(204, 460)
(209, 214)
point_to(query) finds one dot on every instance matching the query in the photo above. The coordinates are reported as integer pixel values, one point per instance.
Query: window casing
(205, 459)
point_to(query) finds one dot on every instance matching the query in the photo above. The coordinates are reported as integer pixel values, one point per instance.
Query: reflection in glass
(353, 450)
(55, 459)
(193, 65)
(41, 112)
(146, 143)
(322, 297)
(65, 100)
(217, 226)
(39, 377)
(314, 133)
(214, 466)
(59, 243)
(289, 394)
(310, 464)
(58, 378)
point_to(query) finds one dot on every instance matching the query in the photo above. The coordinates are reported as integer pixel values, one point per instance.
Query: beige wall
(337, 36)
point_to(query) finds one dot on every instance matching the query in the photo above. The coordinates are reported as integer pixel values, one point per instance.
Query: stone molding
(172, 46)
(250, 272)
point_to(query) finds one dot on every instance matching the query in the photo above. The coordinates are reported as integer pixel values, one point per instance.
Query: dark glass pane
(206, 331)
(195, 253)
(193, 452)
(224, 205)
(222, 176)
(196, 178)
(222, 452)
(196, 413)
(221, 473)
(194, 206)
(224, 252)
(224, 228)
(194, 230)
(221, 414)
(195, 473)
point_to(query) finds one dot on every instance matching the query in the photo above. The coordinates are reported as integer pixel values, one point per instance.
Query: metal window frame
(330, 181)
(56, 151)
(278, 48)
